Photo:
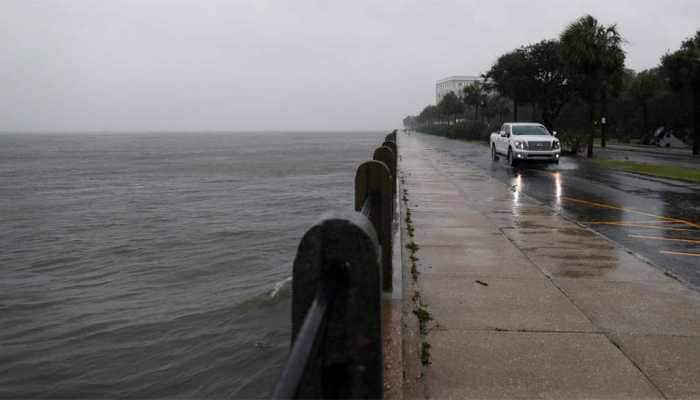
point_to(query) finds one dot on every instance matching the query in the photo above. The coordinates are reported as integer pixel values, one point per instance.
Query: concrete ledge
(393, 357)
(392, 329)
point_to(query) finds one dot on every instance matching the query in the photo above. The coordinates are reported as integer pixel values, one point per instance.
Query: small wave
(283, 285)
(54, 262)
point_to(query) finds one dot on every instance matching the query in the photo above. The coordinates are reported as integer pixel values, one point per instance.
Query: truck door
(502, 146)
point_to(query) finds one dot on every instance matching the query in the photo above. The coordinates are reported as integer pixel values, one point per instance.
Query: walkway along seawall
(505, 298)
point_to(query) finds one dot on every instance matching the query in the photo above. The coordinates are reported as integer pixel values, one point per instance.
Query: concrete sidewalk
(525, 304)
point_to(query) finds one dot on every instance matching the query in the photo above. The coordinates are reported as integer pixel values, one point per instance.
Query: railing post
(388, 156)
(374, 177)
(348, 361)
(391, 145)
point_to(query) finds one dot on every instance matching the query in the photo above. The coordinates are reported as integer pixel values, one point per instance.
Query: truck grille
(539, 145)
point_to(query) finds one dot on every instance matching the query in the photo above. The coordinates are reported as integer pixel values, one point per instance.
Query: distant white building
(454, 84)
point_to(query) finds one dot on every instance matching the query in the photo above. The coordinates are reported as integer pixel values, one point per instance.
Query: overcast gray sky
(276, 65)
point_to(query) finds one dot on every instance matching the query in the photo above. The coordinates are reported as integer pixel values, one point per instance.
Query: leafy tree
(511, 78)
(475, 96)
(409, 122)
(495, 109)
(429, 114)
(682, 68)
(450, 106)
(594, 60)
(548, 81)
(643, 89)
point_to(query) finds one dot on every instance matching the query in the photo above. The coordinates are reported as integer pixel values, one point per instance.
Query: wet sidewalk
(517, 302)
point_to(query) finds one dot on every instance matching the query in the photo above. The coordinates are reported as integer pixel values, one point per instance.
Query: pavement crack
(634, 363)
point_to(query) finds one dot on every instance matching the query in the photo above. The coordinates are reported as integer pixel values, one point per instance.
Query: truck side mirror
(554, 133)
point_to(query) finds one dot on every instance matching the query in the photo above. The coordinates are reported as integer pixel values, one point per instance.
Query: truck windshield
(529, 130)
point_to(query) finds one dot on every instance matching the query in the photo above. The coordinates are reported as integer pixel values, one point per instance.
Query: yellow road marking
(664, 238)
(630, 210)
(665, 228)
(679, 253)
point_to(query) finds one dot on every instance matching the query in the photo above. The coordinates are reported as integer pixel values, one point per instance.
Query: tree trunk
(535, 111)
(515, 110)
(645, 117)
(696, 120)
(603, 113)
(591, 119)
(546, 120)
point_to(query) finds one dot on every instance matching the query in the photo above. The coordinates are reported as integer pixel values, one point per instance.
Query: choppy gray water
(157, 265)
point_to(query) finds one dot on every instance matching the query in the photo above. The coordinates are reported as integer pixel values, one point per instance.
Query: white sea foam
(279, 286)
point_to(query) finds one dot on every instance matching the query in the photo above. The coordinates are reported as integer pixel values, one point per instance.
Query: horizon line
(3, 132)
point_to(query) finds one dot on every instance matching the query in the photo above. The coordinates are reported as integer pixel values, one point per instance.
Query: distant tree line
(578, 85)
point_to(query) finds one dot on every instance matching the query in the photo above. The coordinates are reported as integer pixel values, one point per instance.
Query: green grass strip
(662, 171)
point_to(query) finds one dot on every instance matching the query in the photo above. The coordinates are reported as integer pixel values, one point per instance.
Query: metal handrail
(367, 205)
(304, 343)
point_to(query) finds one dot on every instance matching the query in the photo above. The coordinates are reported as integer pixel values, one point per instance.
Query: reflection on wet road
(656, 219)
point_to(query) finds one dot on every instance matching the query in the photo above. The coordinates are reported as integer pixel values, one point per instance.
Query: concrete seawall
(502, 297)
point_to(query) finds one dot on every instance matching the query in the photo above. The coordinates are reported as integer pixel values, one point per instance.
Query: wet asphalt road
(657, 219)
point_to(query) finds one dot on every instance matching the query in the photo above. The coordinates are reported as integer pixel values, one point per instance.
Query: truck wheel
(494, 156)
(511, 161)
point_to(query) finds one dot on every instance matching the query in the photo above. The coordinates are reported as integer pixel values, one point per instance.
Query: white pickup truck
(521, 141)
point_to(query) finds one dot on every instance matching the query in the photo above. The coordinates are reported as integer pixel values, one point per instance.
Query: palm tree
(475, 96)
(595, 62)
(450, 106)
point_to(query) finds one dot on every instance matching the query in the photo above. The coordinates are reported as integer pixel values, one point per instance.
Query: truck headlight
(556, 145)
(519, 145)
